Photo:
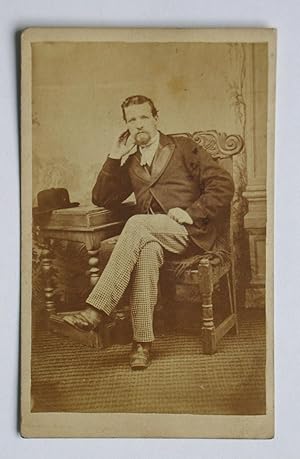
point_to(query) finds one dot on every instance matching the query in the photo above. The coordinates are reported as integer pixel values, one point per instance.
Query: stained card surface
(147, 232)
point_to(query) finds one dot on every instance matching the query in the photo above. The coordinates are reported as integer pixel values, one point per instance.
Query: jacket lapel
(162, 157)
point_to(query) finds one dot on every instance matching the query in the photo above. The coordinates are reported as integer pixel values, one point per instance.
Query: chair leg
(206, 290)
(230, 293)
(232, 302)
(208, 327)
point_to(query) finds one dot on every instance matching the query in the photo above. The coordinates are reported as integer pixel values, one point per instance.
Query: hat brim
(36, 211)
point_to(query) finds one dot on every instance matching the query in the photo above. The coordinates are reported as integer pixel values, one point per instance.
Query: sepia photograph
(147, 232)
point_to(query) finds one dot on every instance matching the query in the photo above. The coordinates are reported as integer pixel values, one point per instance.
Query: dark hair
(136, 100)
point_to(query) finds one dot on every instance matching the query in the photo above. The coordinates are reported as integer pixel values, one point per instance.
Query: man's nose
(139, 124)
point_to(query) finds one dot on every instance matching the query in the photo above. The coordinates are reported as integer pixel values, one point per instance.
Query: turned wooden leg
(48, 285)
(206, 290)
(94, 269)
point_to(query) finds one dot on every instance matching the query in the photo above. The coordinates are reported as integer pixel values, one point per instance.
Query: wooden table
(89, 225)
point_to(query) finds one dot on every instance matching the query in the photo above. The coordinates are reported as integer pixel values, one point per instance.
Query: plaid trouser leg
(144, 291)
(139, 231)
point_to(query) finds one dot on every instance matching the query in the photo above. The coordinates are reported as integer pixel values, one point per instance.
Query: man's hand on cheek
(122, 145)
(180, 216)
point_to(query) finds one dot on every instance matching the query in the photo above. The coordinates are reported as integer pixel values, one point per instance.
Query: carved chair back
(220, 146)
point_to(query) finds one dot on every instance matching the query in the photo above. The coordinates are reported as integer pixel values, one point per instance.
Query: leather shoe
(85, 320)
(140, 356)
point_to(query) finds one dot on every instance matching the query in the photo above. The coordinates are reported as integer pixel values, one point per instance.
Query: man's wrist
(114, 156)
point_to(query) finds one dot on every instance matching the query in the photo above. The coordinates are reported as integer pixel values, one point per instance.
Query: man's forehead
(138, 108)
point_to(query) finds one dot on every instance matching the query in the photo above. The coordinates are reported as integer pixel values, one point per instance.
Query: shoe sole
(139, 367)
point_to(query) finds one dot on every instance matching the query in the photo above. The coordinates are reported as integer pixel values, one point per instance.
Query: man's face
(141, 123)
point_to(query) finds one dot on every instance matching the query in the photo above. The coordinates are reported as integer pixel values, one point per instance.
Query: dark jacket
(183, 175)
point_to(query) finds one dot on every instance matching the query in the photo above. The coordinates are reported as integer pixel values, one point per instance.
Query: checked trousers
(137, 258)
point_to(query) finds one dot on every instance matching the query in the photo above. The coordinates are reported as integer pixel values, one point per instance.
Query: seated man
(182, 195)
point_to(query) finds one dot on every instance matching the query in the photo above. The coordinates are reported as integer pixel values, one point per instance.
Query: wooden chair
(207, 270)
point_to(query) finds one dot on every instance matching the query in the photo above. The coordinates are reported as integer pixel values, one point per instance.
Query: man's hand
(122, 146)
(180, 216)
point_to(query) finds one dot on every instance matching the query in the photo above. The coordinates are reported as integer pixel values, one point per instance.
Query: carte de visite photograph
(147, 232)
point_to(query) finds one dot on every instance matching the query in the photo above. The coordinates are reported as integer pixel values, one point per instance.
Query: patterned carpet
(71, 377)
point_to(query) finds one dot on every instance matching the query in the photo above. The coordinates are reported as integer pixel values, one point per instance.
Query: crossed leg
(137, 257)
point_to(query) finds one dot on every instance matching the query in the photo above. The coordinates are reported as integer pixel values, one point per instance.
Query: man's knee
(140, 229)
(136, 223)
(136, 219)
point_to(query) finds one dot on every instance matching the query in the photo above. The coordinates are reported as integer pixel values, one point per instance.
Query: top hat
(53, 199)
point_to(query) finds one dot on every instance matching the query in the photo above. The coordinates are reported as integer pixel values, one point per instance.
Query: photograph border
(140, 425)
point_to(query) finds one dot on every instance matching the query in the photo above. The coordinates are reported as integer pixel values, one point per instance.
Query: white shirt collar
(148, 151)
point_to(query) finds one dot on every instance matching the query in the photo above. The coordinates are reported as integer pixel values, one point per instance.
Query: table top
(86, 218)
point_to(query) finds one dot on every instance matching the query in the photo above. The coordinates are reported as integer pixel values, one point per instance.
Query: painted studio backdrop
(77, 92)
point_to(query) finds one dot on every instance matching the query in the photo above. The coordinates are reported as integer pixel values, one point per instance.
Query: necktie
(146, 165)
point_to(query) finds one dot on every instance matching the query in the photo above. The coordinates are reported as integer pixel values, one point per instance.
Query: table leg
(94, 269)
(48, 285)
